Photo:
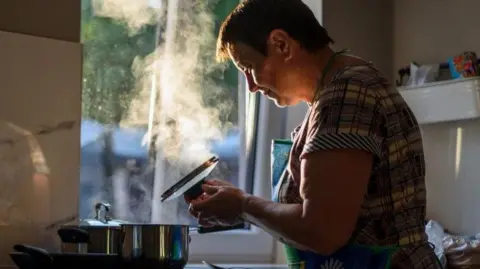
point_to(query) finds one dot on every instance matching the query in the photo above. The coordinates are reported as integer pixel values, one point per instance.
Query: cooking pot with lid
(146, 245)
(93, 235)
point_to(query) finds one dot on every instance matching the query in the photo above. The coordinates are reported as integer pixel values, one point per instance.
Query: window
(142, 64)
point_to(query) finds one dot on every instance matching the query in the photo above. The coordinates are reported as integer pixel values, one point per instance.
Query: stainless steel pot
(155, 245)
(145, 245)
(93, 236)
(90, 239)
(161, 245)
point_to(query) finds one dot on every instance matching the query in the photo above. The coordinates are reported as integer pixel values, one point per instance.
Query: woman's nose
(252, 86)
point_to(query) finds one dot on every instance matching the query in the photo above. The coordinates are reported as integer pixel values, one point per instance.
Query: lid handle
(98, 207)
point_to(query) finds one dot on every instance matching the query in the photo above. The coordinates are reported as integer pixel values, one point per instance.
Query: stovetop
(62, 261)
(239, 266)
(223, 266)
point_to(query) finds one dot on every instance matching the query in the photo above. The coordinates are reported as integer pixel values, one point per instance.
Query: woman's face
(272, 75)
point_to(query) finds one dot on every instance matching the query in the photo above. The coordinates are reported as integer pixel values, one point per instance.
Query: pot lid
(190, 180)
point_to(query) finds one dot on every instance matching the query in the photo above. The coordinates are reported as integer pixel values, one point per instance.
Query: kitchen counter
(239, 266)
(111, 261)
(226, 266)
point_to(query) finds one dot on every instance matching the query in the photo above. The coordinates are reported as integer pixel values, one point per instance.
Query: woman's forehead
(243, 54)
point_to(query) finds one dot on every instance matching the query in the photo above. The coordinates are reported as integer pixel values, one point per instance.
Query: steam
(135, 13)
(176, 75)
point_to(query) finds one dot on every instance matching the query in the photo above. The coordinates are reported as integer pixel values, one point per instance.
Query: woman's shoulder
(357, 85)
(363, 73)
(351, 83)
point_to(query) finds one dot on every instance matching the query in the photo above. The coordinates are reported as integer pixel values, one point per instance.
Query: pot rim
(153, 224)
(81, 227)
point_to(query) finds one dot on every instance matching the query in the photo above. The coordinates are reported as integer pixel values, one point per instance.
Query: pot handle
(98, 207)
(73, 235)
(39, 255)
(219, 228)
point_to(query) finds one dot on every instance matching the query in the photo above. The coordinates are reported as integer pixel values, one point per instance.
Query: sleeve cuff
(343, 141)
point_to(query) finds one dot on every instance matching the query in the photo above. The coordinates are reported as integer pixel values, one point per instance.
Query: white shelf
(444, 101)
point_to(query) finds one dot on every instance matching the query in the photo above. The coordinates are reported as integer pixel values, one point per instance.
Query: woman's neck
(311, 69)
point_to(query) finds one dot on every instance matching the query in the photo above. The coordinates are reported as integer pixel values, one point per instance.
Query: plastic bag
(422, 74)
(436, 234)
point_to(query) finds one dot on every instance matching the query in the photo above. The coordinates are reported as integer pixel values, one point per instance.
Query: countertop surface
(239, 266)
(225, 266)
(112, 261)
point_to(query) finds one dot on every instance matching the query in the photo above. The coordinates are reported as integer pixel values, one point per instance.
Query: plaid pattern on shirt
(360, 110)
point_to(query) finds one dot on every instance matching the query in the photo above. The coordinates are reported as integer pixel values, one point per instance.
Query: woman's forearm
(282, 221)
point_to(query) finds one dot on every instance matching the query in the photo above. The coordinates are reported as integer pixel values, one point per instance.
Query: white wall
(430, 31)
(40, 80)
(452, 154)
(62, 23)
(364, 27)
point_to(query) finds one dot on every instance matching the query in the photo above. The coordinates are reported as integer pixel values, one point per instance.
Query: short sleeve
(295, 132)
(346, 115)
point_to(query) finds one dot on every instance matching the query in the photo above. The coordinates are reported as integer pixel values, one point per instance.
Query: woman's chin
(279, 102)
(282, 102)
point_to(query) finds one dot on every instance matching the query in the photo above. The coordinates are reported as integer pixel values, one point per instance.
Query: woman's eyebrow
(240, 64)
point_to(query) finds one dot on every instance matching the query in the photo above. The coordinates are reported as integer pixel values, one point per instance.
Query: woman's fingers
(192, 211)
(217, 182)
(205, 221)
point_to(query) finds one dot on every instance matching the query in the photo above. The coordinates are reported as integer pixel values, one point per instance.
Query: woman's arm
(333, 186)
(343, 136)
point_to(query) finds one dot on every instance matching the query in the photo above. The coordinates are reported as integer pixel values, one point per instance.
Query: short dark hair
(253, 20)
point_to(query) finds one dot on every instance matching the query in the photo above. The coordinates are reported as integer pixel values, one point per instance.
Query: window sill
(239, 246)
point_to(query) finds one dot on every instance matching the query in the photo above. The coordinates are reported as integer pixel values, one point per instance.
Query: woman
(355, 181)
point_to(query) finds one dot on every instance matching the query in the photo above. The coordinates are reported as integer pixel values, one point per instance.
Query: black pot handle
(73, 235)
(39, 255)
(218, 228)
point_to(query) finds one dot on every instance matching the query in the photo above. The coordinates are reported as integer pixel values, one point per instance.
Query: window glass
(155, 105)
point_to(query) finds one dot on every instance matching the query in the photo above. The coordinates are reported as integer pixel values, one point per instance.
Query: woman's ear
(279, 43)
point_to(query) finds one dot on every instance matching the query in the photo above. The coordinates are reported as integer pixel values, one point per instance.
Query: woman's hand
(221, 204)
(210, 182)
